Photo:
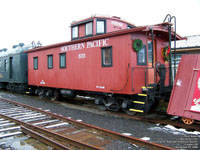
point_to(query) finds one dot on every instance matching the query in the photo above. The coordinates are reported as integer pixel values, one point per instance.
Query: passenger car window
(6, 65)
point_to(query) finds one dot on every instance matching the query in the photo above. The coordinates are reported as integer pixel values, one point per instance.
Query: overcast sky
(22, 21)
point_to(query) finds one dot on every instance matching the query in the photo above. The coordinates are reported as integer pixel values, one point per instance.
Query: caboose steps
(140, 104)
(142, 94)
(136, 110)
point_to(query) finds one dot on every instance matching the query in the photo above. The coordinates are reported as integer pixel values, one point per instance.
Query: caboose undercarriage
(130, 104)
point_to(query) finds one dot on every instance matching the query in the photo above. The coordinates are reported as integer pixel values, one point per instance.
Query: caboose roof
(156, 28)
(74, 23)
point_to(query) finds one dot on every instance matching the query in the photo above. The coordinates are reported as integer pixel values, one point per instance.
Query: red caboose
(118, 66)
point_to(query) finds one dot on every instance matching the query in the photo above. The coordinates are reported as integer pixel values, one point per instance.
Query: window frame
(145, 52)
(76, 26)
(65, 66)
(104, 26)
(48, 62)
(86, 29)
(35, 66)
(102, 56)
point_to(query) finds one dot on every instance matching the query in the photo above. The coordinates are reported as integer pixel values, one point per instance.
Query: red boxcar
(185, 97)
(115, 64)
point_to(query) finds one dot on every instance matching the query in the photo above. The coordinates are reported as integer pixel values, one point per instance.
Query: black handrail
(170, 18)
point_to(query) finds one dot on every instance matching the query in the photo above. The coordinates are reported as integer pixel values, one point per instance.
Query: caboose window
(101, 26)
(50, 61)
(150, 48)
(74, 32)
(63, 60)
(141, 56)
(88, 29)
(35, 63)
(106, 55)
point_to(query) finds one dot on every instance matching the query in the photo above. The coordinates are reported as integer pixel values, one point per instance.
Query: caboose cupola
(97, 25)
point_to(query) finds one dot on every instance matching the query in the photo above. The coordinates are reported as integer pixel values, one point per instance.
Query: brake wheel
(187, 121)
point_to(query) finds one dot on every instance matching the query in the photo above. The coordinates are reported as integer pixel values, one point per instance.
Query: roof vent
(116, 17)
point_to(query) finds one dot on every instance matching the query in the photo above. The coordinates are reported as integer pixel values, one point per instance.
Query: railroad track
(12, 137)
(158, 117)
(64, 133)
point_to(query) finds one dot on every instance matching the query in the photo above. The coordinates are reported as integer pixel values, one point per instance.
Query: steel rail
(44, 139)
(53, 134)
(117, 135)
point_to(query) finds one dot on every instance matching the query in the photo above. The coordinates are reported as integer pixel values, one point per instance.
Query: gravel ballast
(151, 132)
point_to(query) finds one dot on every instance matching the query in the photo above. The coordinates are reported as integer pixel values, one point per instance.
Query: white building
(189, 45)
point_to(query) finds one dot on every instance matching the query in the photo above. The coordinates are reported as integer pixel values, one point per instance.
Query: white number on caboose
(81, 56)
(100, 87)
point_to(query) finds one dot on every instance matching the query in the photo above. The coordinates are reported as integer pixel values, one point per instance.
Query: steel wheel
(55, 96)
(187, 121)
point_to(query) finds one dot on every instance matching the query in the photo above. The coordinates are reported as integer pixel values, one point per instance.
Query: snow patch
(175, 118)
(174, 130)
(135, 145)
(145, 138)
(10, 95)
(127, 134)
(79, 120)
